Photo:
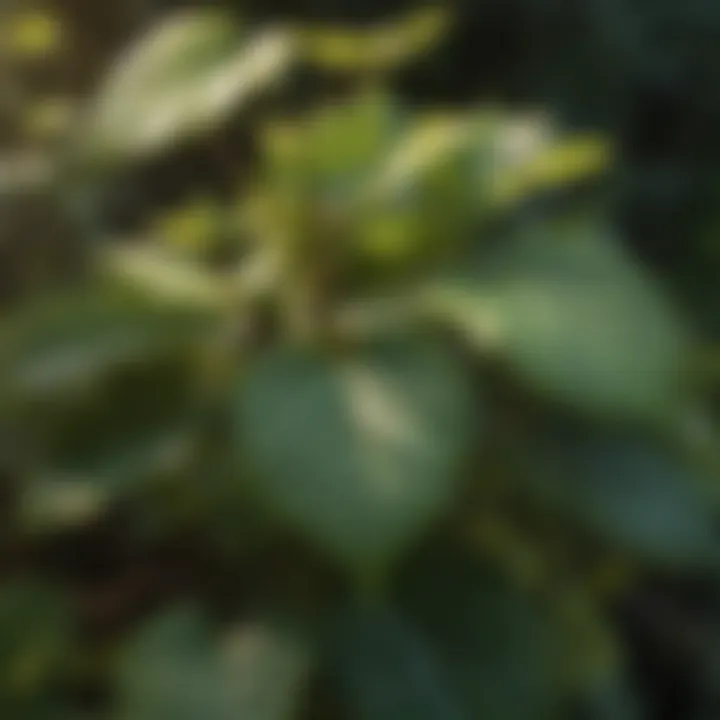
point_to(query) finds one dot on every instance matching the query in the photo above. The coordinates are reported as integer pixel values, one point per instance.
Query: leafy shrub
(417, 412)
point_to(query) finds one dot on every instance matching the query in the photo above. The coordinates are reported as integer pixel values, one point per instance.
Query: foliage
(396, 409)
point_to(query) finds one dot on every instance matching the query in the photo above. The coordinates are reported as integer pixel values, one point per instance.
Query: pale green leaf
(383, 47)
(183, 77)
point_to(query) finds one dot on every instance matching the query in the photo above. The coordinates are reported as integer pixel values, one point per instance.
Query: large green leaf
(184, 76)
(493, 645)
(359, 452)
(175, 669)
(631, 491)
(381, 669)
(574, 317)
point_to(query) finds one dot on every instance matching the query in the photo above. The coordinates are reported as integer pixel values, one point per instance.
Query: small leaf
(360, 453)
(381, 48)
(576, 320)
(182, 78)
(332, 152)
(161, 275)
(175, 668)
(382, 669)
(560, 165)
(630, 491)
(420, 201)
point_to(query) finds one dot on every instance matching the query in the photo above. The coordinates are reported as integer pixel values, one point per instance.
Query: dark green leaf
(631, 491)
(493, 645)
(360, 453)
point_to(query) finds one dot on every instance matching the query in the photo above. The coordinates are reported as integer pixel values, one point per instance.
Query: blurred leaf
(381, 48)
(96, 384)
(67, 343)
(332, 152)
(630, 491)
(575, 318)
(161, 275)
(428, 143)
(183, 77)
(361, 453)
(420, 201)
(383, 670)
(559, 165)
(46, 504)
(36, 641)
(495, 649)
(174, 669)
(32, 33)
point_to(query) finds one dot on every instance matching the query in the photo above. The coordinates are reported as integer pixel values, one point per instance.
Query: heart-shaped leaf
(360, 453)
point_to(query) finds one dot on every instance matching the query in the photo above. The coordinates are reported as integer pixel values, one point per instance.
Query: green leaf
(360, 453)
(95, 382)
(494, 647)
(420, 201)
(64, 344)
(381, 669)
(575, 318)
(182, 78)
(332, 152)
(557, 164)
(175, 669)
(163, 275)
(631, 491)
(377, 49)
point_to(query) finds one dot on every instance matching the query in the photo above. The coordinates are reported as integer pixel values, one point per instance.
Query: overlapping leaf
(575, 318)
